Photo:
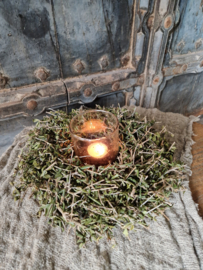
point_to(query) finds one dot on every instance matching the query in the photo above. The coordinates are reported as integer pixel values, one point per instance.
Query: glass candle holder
(95, 137)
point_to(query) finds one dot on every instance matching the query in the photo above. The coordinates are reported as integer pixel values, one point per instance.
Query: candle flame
(97, 150)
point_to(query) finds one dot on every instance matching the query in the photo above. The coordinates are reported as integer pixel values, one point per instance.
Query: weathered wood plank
(160, 23)
(181, 91)
(188, 35)
(27, 41)
(54, 34)
(183, 94)
(94, 32)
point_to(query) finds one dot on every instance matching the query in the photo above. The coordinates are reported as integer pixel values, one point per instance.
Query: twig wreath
(92, 199)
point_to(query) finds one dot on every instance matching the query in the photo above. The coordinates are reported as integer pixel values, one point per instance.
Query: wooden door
(54, 52)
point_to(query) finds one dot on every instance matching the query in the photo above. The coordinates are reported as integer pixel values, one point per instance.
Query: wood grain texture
(27, 41)
(53, 34)
(183, 94)
(196, 180)
(91, 29)
(161, 22)
(188, 34)
(182, 91)
(147, 6)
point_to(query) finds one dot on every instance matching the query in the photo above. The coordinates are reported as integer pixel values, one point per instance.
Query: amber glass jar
(95, 136)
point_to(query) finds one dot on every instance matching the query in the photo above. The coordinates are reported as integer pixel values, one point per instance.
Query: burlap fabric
(175, 242)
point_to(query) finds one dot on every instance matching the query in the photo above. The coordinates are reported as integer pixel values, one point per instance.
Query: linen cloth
(171, 242)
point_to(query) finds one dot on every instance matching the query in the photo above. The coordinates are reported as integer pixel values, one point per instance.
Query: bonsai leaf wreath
(94, 200)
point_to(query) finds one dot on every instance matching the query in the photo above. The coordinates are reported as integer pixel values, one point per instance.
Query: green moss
(94, 200)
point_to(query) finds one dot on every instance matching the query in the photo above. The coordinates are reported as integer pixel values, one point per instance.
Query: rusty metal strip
(34, 99)
(184, 63)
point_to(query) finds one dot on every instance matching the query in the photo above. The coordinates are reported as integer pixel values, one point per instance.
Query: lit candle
(97, 150)
(95, 137)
